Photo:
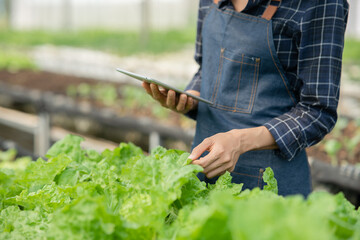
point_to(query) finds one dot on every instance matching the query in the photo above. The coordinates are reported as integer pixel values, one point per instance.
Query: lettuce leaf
(124, 194)
(269, 179)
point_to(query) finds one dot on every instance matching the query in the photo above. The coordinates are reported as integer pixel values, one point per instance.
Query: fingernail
(191, 157)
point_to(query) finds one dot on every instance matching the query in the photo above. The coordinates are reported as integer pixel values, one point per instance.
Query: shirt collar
(251, 4)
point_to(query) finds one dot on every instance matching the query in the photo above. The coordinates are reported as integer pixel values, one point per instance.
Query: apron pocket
(251, 177)
(236, 83)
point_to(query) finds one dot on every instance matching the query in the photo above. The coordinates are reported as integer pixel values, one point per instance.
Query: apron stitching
(218, 80)
(256, 79)
(242, 61)
(282, 77)
(212, 7)
(253, 88)
(231, 110)
(244, 174)
(237, 93)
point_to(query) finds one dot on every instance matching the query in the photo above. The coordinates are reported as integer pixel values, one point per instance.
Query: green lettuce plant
(126, 194)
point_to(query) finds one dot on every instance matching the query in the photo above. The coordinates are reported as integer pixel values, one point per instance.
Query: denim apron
(243, 77)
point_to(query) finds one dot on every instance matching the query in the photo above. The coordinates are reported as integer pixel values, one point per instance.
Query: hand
(225, 149)
(168, 98)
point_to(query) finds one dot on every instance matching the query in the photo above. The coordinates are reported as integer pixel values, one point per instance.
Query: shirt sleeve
(195, 83)
(319, 70)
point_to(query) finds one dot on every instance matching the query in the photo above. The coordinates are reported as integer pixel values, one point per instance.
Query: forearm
(258, 138)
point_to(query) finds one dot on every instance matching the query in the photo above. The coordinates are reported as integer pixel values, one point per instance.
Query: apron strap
(271, 9)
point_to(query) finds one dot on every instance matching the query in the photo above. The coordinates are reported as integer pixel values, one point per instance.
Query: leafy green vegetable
(86, 218)
(8, 156)
(70, 146)
(270, 180)
(124, 194)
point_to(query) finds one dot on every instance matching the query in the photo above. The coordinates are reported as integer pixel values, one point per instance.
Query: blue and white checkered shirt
(309, 40)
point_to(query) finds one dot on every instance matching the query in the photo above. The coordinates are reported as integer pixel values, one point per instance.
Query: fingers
(157, 94)
(216, 172)
(189, 104)
(154, 91)
(147, 88)
(223, 155)
(169, 98)
(218, 168)
(182, 103)
(201, 148)
(207, 161)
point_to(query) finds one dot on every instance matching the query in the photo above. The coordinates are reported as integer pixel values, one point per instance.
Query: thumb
(201, 148)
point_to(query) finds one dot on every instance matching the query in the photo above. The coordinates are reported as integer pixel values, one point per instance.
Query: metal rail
(343, 176)
(39, 126)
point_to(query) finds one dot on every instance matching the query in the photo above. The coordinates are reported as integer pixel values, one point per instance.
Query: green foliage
(352, 50)
(123, 43)
(136, 98)
(332, 147)
(15, 60)
(271, 183)
(132, 97)
(351, 144)
(8, 155)
(340, 125)
(125, 194)
(104, 93)
(342, 145)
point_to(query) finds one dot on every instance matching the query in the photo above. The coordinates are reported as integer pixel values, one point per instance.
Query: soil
(43, 81)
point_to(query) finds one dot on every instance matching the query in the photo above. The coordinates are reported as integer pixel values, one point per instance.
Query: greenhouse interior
(87, 152)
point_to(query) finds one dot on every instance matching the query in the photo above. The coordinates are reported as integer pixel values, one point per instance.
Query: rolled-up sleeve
(320, 50)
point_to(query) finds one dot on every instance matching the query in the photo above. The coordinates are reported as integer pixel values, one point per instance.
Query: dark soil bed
(43, 81)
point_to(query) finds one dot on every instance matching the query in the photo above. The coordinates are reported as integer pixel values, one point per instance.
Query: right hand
(168, 98)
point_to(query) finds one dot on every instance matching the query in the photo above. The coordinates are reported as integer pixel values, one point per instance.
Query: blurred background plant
(9, 160)
(15, 60)
(342, 145)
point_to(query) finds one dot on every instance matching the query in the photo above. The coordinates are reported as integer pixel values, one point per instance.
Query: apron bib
(243, 77)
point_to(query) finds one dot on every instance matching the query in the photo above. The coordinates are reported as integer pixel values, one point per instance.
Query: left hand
(170, 99)
(225, 149)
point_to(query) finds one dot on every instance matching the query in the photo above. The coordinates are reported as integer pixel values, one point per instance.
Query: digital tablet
(164, 85)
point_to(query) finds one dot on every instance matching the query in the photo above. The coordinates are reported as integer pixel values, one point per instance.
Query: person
(272, 71)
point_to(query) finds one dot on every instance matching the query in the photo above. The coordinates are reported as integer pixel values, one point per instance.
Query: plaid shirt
(309, 40)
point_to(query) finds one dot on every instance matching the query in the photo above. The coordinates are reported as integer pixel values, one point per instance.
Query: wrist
(258, 138)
